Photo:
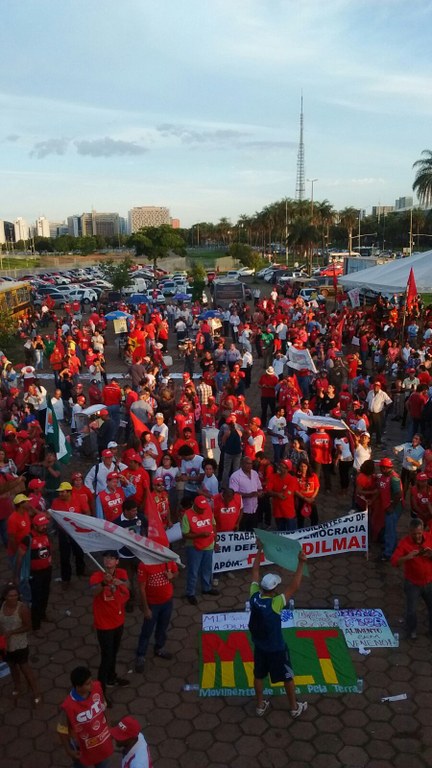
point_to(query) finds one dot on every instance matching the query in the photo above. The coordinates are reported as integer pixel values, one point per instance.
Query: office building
(42, 228)
(382, 210)
(7, 232)
(403, 203)
(147, 216)
(58, 228)
(74, 225)
(22, 230)
(103, 224)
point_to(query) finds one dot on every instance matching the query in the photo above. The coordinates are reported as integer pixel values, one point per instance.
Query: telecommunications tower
(300, 179)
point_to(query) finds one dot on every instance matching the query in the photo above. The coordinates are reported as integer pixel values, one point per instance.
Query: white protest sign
(300, 358)
(346, 534)
(354, 297)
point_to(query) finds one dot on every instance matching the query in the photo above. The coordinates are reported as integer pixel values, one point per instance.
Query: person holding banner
(199, 529)
(271, 655)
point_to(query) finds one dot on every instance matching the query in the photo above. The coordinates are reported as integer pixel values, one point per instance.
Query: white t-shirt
(168, 476)
(361, 455)
(138, 756)
(343, 444)
(161, 429)
(278, 425)
(192, 469)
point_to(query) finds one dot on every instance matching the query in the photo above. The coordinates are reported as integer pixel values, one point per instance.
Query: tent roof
(393, 277)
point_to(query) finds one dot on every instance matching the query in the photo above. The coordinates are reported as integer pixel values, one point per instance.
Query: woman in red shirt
(282, 487)
(309, 485)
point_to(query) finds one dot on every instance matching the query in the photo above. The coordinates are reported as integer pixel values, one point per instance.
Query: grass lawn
(10, 263)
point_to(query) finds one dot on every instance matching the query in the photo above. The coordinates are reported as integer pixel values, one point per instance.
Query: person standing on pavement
(40, 569)
(412, 460)
(82, 725)
(135, 751)
(268, 383)
(110, 589)
(156, 591)
(133, 521)
(199, 530)
(246, 482)
(271, 655)
(67, 545)
(414, 554)
(377, 401)
(390, 498)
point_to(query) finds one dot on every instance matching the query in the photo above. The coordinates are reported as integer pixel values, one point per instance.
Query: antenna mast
(300, 180)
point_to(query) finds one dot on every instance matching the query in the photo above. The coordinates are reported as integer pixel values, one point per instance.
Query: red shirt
(308, 485)
(418, 570)
(321, 448)
(88, 725)
(108, 606)
(227, 516)
(71, 506)
(18, 527)
(158, 587)
(83, 497)
(111, 394)
(183, 421)
(286, 484)
(140, 479)
(268, 384)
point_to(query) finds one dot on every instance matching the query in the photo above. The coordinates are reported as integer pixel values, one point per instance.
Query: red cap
(256, 420)
(386, 462)
(134, 456)
(23, 433)
(201, 502)
(127, 728)
(288, 464)
(107, 453)
(14, 391)
(41, 519)
(411, 370)
(230, 420)
(36, 483)
(113, 476)
(104, 412)
(76, 475)
(377, 384)
(422, 477)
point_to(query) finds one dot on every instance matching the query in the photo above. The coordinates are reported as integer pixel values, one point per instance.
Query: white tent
(392, 277)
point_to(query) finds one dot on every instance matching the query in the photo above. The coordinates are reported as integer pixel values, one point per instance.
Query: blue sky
(195, 105)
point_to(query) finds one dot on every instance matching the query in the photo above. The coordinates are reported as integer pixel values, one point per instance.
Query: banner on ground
(319, 656)
(94, 535)
(300, 359)
(362, 627)
(237, 549)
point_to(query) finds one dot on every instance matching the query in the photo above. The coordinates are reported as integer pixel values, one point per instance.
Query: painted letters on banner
(319, 657)
(346, 534)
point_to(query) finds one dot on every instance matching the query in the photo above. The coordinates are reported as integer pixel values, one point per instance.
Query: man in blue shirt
(271, 655)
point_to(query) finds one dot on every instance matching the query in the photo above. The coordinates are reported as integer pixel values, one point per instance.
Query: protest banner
(281, 550)
(300, 359)
(345, 534)
(354, 297)
(317, 422)
(120, 325)
(319, 657)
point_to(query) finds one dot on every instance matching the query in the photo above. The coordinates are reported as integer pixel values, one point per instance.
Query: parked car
(59, 299)
(311, 294)
(86, 295)
(169, 288)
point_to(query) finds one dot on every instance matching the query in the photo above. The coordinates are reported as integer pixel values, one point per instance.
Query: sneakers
(261, 710)
(161, 654)
(214, 592)
(120, 681)
(301, 707)
(192, 599)
(139, 664)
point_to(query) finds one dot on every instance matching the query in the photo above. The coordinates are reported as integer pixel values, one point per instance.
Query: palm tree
(304, 235)
(349, 218)
(423, 180)
(324, 217)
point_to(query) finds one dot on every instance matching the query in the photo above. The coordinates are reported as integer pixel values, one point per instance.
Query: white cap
(270, 581)
(112, 444)
(159, 416)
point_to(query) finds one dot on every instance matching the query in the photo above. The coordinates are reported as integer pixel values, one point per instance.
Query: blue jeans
(278, 451)
(102, 764)
(161, 615)
(199, 563)
(412, 594)
(390, 533)
(3, 532)
(286, 524)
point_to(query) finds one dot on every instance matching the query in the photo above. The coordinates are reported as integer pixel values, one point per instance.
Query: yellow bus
(15, 297)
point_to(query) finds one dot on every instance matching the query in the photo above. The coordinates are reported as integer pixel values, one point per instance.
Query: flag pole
(98, 565)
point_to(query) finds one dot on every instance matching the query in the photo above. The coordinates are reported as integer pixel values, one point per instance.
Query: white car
(234, 274)
(246, 271)
(86, 295)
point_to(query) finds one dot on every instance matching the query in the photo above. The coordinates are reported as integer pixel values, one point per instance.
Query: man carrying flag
(270, 652)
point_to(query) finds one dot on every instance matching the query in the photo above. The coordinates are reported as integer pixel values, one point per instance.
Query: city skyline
(196, 108)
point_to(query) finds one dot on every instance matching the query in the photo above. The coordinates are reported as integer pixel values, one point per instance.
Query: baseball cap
(159, 416)
(127, 728)
(76, 475)
(386, 462)
(104, 412)
(112, 444)
(106, 453)
(133, 456)
(288, 464)
(64, 487)
(229, 420)
(113, 476)
(40, 519)
(256, 420)
(201, 502)
(377, 384)
(20, 498)
(422, 477)
(36, 483)
(270, 581)
(23, 433)
(158, 481)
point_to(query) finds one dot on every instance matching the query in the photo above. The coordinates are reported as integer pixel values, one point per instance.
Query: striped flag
(55, 436)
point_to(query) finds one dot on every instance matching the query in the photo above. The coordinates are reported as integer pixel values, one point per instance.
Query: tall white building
(147, 216)
(42, 228)
(22, 230)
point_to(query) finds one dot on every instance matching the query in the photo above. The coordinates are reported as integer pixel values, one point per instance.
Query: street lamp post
(312, 182)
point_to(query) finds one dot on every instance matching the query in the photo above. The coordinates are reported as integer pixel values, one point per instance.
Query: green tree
(198, 275)
(349, 219)
(157, 243)
(246, 256)
(118, 273)
(8, 331)
(304, 235)
(423, 179)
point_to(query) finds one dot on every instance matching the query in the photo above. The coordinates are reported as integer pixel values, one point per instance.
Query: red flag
(139, 429)
(339, 332)
(335, 282)
(411, 290)
(156, 531)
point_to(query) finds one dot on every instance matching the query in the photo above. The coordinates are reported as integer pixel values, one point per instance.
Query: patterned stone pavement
(350, 731)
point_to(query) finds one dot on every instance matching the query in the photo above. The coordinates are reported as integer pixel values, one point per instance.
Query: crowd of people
(186, 439)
